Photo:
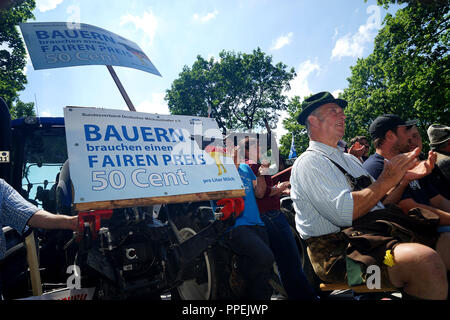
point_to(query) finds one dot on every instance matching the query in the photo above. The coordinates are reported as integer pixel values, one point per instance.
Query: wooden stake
(33, 265)
(121, 88)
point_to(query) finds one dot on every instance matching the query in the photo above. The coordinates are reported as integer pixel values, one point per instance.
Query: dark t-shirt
(421, 191)
(440, 176)
(374, 165)
(438, 180)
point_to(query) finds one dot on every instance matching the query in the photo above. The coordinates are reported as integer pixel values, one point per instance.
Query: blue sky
(321, 39)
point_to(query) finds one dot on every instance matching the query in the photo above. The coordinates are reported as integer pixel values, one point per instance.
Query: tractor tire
(190, 218)
(215, 267)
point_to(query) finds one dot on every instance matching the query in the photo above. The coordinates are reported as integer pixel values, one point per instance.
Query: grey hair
(308, 124)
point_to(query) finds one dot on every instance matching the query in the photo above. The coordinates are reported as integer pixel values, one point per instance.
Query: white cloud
(353, 45)
(74, 18)
(336, 32)
(207, 17)
(4, 46)
(156, 104)
(282, 41)
(47, 5)
(336, 92)
(280, 130)
(148, 23)
(45, 114)
(28, 65)
(216, 58)
(299, 85)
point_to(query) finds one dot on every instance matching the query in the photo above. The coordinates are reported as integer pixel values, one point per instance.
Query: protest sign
(61, 44)
(120, 158)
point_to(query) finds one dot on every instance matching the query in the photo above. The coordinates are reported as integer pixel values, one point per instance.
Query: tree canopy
(22, 110)
(12, 48)
(406, 74)
(241, 91)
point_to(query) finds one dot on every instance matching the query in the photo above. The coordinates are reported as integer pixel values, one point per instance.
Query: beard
(402, 148)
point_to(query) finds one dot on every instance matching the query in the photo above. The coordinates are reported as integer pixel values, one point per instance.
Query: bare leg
(443, 248)
(420, 271)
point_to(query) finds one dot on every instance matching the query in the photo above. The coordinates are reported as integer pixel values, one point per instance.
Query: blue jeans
(287, 257)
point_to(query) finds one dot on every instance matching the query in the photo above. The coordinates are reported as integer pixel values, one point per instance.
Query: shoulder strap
(355, 183)
(337, 165)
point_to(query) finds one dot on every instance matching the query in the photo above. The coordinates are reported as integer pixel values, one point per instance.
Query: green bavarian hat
(315, 101)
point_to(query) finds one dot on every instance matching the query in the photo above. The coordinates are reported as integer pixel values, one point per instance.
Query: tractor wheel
(190, 218)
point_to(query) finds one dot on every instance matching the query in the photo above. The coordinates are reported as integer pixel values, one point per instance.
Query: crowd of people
(390, 209)
(384, 210)
(353, 209)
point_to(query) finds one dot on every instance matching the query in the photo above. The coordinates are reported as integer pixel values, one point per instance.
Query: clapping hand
(422, 168)
(357, 149)
(284, 187)
(264, 168)
(395, 169)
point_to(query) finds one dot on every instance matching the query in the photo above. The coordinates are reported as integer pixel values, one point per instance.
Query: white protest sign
(117, 155)
(61, 44)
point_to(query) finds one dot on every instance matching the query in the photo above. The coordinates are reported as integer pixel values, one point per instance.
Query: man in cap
(329, 202)
(391, 136)
(439, 136)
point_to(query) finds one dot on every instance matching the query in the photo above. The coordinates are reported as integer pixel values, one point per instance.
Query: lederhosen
(345, 256)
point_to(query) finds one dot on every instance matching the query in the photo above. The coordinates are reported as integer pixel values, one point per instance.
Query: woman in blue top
(248, 237)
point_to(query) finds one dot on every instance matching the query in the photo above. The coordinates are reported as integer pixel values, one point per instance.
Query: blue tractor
(137, 252)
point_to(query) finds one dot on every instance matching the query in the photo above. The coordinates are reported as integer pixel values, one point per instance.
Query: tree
(12, 48)
(301, 139)
(407, 74)
(22, 110)
(241, 91)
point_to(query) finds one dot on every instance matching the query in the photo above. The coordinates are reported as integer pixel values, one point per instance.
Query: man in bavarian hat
(439, 136)
(338, 206)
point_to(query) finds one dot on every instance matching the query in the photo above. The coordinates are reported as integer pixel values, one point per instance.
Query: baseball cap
(386, 122)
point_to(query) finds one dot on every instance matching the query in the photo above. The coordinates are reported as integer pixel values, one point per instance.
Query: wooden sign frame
(143, 202)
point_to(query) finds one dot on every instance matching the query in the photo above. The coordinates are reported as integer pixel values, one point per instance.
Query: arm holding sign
(17, 212)
(46, 220)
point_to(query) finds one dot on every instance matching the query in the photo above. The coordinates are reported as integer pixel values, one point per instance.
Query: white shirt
(320, 192)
